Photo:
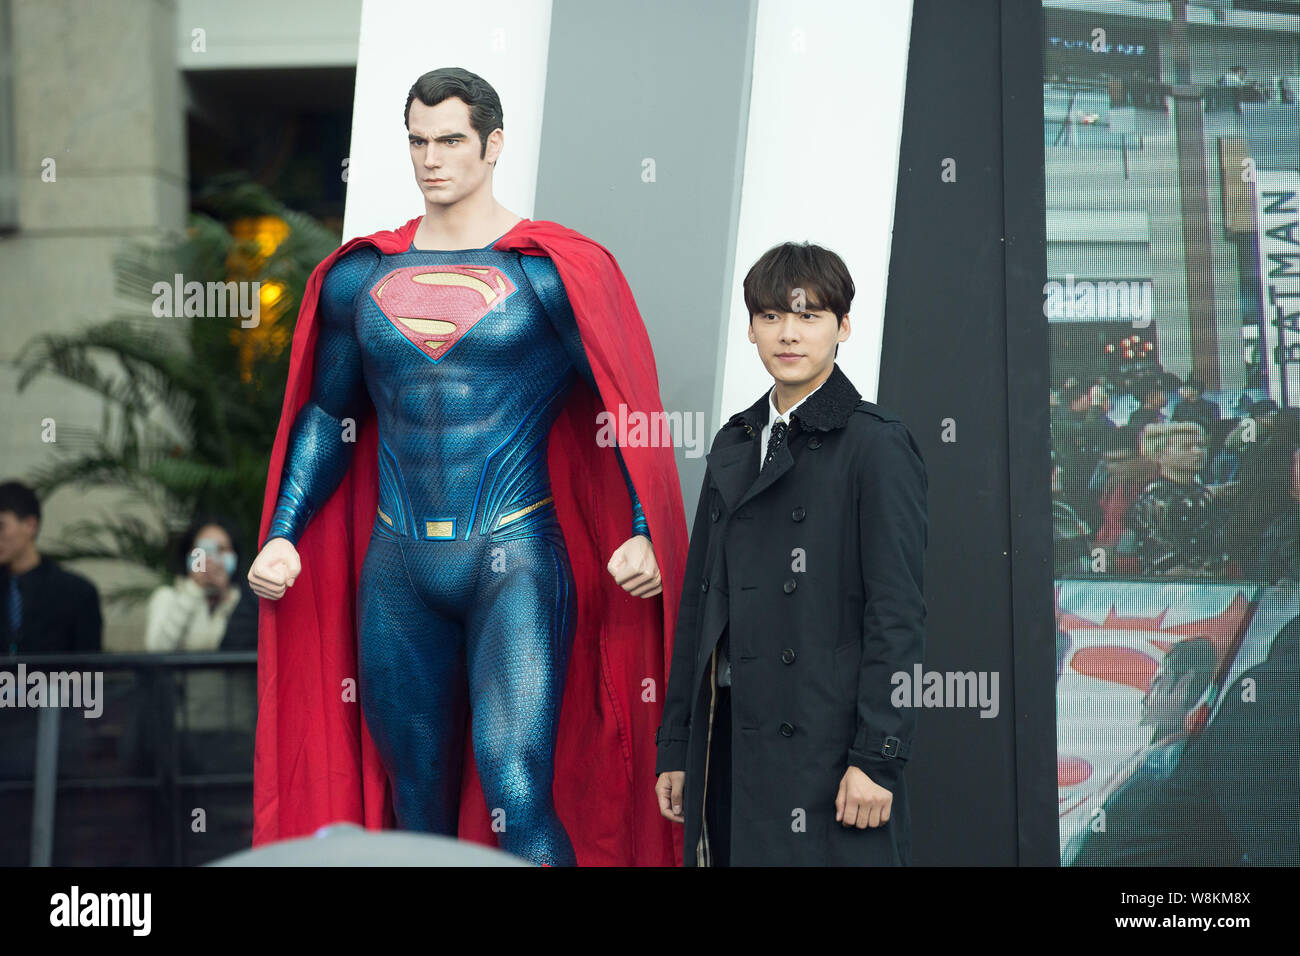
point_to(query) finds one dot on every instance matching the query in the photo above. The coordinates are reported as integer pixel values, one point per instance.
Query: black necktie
(774, 441)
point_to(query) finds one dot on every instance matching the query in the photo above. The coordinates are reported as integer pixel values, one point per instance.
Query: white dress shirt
(772, 418)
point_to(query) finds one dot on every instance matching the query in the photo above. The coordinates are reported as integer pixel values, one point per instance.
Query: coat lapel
(732, 469)
(781, 462)
(735, 468)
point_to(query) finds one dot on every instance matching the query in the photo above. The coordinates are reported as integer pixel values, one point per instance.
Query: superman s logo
(434, 306)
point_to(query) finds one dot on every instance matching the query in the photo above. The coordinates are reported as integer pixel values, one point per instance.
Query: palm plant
(190, 405)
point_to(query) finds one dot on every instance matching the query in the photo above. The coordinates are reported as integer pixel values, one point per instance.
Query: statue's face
(445, 152)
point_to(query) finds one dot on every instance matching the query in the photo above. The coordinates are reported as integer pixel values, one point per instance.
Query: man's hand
(861, 802)
(668, 788)
(634, 567)
(275, 569)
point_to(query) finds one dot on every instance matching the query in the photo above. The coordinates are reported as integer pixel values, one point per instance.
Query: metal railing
(170, 726)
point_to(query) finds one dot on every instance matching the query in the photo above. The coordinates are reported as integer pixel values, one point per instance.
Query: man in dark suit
(803, 598)
(43, 608)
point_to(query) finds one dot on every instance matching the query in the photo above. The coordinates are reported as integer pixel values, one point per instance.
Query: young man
(477, 536)
(1173, 525)
(43, 608)
(803, 599)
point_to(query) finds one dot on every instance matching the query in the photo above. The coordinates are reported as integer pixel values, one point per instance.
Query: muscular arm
(546, 284)
(320, 444)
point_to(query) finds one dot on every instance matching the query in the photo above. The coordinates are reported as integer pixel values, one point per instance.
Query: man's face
(445, 151)
(797, 347)
(1186, 451)
(16, 534)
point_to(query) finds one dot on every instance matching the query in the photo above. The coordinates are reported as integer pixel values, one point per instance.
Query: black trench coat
(816, 568)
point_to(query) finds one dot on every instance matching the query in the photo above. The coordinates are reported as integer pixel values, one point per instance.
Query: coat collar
(828, 408)
(734, 466)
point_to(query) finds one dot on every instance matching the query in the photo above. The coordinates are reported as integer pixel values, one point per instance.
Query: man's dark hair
(822, 276)
(21, 500)
(452, 81)
(1194, 658)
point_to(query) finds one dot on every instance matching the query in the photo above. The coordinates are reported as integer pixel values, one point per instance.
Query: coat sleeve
(892, 486)
(674, 731)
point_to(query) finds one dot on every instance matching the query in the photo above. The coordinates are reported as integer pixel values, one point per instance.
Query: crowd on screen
(1150, 478)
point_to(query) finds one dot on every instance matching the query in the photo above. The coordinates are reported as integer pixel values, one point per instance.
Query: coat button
(798, 513)
(714, 514)
(787, 730)
(704, 585)
(788, 586)
(787, 656)
(814, 442)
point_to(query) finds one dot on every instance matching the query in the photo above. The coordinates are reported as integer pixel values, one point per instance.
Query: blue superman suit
(466, 601)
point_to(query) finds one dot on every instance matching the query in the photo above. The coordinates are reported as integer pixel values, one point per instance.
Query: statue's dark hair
(452, 81)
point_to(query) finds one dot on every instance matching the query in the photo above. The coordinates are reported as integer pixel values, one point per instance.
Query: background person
(43, 608)
(1173, 525)
(206, 608)
(196, 611)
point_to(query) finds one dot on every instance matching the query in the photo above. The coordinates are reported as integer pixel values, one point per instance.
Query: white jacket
(179, 619)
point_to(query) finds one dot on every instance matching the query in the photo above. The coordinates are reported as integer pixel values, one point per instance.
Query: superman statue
(466, 624)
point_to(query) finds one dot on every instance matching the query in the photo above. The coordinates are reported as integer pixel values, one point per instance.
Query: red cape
(315, 762)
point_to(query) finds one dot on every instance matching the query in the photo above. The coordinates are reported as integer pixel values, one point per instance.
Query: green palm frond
(188, 416)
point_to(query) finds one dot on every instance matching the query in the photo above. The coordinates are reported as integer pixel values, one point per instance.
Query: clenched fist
(634, 567)
(275, 569)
